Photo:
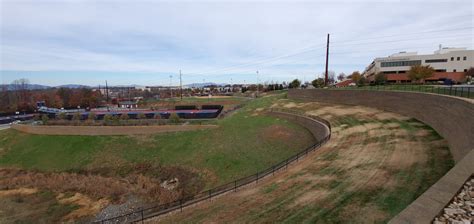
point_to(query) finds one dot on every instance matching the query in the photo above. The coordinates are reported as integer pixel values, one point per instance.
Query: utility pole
(180, 85)
(326, 79)
(257, 85)
(107, 91)
(171, 90)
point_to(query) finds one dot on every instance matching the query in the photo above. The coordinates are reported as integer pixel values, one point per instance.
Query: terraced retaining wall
(451, 117)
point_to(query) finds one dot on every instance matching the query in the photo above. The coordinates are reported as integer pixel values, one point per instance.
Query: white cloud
(203, 36)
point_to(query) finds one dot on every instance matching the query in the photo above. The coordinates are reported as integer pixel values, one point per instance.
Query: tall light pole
(171, 90)
(257, 85)
(181, 85)
(326, 79)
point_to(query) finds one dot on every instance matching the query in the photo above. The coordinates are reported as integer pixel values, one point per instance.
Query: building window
(465, 70)
(452, 58)
(435, 60)
(454, 70)
(459, 58)
(440, 70)
(464, 58)
(400, 63)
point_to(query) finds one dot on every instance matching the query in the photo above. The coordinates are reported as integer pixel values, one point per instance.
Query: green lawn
(237, 148)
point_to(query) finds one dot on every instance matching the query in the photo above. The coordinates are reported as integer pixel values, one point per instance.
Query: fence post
(455, 91)
(286, 164)
(142, 215)
(181, 205)
(235, 185)
(450, 89)
(210, 194)
(273, 170)
(297, 157)
(468, 92)
(257, 178)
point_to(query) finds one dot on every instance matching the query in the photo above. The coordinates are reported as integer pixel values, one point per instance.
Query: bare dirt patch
(311, 196)
(277, 132)
(107, 130)
(407, 155)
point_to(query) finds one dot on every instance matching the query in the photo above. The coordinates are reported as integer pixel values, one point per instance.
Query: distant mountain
(73, 86)
(200, 85)
(28, 86)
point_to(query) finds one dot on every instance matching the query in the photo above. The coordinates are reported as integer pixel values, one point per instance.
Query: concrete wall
(106, 130)
(451, 117)
(318, 128)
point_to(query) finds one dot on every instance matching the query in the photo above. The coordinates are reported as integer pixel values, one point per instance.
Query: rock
(461, 209)
(170, 184)
(453, 211)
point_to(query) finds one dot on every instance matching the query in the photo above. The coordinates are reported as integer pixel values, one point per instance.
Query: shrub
(295, 84)
(174, 118)
(76, 117)
(124, 116)
(318, 83)
(37, 117)
(107, 118)
(141, 116)
(91, 116)
(362, 81)
(380, 78)
(44, 118)
(62, 116)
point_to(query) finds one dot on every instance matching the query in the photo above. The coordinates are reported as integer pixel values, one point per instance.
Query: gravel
(461, 208)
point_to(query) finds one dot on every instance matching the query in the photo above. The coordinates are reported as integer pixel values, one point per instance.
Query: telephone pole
(180, 85)
(257, 85)
(171, 89)
(326, 79)
(107, 92)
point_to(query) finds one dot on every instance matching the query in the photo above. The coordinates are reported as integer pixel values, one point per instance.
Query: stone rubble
(461, 208)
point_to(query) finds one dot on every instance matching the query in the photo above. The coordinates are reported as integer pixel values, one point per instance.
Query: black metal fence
(178, 205)
(460, 91)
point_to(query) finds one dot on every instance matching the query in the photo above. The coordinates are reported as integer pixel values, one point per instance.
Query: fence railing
(161, 209)
(460, 91)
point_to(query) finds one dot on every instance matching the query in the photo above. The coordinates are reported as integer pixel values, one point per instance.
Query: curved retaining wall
(319, 128)
(451, 117)
(106, 130)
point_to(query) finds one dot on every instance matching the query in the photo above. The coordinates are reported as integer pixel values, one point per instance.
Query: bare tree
(4, 98)
(21, 92)
(341, 76)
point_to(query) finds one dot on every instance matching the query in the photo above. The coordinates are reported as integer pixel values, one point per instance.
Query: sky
(144, 42)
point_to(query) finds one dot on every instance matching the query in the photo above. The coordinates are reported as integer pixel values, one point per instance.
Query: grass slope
(235, 149)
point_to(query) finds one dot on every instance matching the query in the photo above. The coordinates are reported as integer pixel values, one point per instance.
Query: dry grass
(375, 164)
(95, 186)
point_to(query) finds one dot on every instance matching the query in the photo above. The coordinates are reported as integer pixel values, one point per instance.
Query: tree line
(417, 74)
(19, 98)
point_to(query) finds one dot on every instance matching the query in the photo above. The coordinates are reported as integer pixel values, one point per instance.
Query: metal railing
(460, 91)
(178, 205)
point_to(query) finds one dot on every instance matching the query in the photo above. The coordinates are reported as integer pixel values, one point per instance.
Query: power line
(391, 41)
(408, 34)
